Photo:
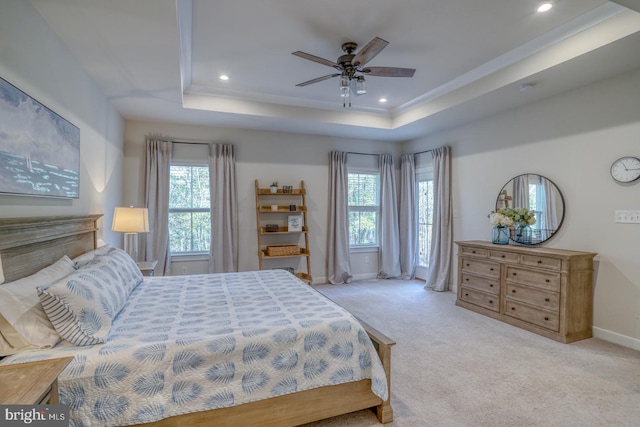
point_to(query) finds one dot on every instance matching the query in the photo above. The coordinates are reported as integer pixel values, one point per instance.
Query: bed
(256, 327)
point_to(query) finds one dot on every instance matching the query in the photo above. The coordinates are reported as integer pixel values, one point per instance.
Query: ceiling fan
(352, 68)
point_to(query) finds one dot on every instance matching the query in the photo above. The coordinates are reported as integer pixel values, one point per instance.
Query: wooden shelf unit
(266, 215)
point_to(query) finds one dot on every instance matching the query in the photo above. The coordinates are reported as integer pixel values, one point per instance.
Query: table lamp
(131, 221)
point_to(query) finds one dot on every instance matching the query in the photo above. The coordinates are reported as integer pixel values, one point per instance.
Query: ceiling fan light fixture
(361, 87)
(545, 6)
(344, 82)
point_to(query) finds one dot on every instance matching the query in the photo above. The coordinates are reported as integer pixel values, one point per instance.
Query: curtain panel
(442, 228)
(223, 256)
(157, 173)
(389, 254)
(408, 220)
(338, 263)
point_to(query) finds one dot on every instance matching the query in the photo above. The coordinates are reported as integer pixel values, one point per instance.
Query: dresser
(543, 290)
(31, 383)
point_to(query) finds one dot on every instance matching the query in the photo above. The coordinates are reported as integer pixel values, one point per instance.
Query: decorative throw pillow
(125, 266)
(82, 305)
(23, 323)
(88, 257)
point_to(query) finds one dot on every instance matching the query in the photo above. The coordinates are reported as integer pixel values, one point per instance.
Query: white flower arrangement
(500, 219)
(510, 217)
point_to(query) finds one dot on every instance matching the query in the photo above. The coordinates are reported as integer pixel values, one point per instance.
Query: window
(425, 217)
(189, 210)
(364, 208)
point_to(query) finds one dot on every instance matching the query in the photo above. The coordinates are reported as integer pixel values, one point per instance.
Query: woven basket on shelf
(280, 250)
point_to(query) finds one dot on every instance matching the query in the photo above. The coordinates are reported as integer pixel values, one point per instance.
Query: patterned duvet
(192, 343)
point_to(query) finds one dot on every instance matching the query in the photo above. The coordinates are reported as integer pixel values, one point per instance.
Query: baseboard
(616, 338)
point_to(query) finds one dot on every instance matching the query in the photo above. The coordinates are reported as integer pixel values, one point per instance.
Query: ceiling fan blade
(319, 79)
(368, 52)
(317, 59)
(389, 71)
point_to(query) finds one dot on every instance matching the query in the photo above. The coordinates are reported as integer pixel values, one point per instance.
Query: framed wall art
(39, 149)
(294, 223)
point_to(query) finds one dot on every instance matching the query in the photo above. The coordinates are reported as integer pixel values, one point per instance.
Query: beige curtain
(157, 170)
(442, 229)
(338, 264)
(408, 217)
(389, 255)
(224, 209)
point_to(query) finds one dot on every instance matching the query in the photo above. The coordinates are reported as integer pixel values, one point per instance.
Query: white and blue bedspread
(192, 343)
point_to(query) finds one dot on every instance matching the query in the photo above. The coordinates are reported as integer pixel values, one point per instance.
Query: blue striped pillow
(82, 306)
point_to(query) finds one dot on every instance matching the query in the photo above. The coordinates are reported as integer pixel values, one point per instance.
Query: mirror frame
(537, 243)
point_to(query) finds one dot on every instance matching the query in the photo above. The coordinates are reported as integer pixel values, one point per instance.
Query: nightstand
(31, 383)
(147, 267)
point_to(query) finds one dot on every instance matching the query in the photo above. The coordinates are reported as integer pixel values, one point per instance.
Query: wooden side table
(147, 267)
(31, 383)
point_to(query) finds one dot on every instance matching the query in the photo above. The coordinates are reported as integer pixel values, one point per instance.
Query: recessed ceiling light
(545, 7)
(224, 77)
(382, 100)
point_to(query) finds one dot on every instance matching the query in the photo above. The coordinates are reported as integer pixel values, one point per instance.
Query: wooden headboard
(30, 244)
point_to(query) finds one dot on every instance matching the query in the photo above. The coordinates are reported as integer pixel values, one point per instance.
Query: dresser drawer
(543, 262)
(540, 279)
(486, 268)
(480, 298)
(481, 252)
(504, 256)
(532, 296)
(480, 283)
(533, 315)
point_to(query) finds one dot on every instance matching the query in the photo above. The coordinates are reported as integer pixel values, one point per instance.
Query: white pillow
(23, 319)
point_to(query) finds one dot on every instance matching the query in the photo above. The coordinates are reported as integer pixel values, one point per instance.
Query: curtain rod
(422, 152)
(363, 154)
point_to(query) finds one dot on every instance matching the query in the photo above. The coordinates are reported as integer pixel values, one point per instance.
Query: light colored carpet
(454, 367)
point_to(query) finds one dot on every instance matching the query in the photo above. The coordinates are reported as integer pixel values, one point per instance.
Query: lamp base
(131, 245)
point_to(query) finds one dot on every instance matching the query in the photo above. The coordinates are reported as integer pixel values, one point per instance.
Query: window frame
(423, 174)
(365, 208)
(191, 210)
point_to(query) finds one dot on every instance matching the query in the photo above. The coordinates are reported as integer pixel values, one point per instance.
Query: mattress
(192, 343)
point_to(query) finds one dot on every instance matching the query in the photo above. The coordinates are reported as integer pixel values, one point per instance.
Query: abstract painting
(39, 150)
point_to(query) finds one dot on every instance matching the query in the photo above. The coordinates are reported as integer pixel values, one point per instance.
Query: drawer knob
(547, 280)
(466, 295)
(514, 274)
(491, 269)
(539, 261)
(513, 308)
(491, 286)
(513, 291)
(502, 256)
(467, 264)
(490, 301)
(546, 299)
(466, 279)
(546, 318)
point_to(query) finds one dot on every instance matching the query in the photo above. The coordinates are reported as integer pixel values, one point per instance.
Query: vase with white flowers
(523, 218)
(501, 223)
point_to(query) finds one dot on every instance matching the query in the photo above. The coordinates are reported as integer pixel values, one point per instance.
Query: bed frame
(29, 244)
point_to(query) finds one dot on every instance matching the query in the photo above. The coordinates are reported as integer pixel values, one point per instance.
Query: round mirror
(540, 195)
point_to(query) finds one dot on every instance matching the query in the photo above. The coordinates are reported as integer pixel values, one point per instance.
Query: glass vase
(500, 235)
(523, 234)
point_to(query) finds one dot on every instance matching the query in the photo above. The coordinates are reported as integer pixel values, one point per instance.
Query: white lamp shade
(130, 220)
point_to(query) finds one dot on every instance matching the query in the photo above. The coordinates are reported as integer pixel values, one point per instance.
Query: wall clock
(626, 169)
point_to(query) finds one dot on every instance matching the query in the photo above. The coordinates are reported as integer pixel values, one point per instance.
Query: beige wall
(33, 59)
(266, 156)
(571, 139)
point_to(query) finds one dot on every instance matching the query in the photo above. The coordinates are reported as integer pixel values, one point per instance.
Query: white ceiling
(160, 59)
